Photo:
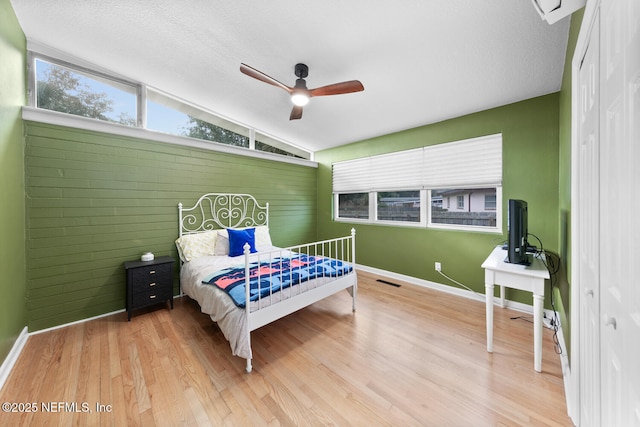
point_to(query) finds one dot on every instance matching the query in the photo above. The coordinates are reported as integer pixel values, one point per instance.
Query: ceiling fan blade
(338, 88)
(256, 74)
(296, 113)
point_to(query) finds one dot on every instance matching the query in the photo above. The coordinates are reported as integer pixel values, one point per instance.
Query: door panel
(588, 226)
(619, 226)
(632, 292)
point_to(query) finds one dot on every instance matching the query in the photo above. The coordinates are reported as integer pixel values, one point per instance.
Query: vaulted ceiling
(420, 61)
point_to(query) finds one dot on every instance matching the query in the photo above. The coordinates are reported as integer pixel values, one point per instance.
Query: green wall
(96, 200)
(13, 315)
(530, 172)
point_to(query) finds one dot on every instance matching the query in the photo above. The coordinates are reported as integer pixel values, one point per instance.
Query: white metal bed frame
(215, 211)
(224, 210)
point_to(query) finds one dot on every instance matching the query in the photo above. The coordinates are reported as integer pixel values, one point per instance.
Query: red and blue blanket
(274, 275)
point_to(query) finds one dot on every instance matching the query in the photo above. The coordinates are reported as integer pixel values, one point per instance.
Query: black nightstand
(149, 282)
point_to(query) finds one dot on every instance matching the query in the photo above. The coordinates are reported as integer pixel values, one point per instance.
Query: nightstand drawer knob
(152, 272)
(152, 297)
(152, 284)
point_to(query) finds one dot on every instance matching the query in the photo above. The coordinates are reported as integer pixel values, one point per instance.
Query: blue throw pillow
(238, 238)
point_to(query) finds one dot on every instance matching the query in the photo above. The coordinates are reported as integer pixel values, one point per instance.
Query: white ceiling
(421, 61)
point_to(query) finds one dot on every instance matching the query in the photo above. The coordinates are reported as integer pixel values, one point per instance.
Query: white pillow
(222, 243)
(263, 239)
(192, 246)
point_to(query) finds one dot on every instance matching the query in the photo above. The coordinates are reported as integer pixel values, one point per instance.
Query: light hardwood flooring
(408, 356)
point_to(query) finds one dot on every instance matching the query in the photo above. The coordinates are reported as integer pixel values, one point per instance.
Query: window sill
(469, 228)
(61, 119)
(449, 227)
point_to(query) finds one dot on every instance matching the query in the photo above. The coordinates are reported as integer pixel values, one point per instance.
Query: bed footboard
(332, 265)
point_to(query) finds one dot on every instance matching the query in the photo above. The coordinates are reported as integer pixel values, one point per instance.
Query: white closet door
(588, 233)
(619, 226)
(632, 334)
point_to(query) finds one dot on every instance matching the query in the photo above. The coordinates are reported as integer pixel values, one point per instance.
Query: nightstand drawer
(152, 296)
(155, 276)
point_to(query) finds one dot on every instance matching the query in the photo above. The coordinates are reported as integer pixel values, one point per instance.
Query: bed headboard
(222, 210)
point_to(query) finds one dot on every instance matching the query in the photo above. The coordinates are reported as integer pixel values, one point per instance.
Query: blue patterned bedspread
(274, 275)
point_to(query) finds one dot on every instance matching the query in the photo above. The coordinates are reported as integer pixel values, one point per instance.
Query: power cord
(552, 263)
(461, 284)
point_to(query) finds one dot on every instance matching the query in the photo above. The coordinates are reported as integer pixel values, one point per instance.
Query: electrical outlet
(438, 266)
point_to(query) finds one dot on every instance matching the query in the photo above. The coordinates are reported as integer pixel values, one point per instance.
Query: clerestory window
(66, 88)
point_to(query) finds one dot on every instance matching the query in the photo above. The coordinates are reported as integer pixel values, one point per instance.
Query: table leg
(489, 298)
(537, 332)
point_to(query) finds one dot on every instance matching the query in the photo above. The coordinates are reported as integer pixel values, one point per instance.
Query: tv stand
(517, 276)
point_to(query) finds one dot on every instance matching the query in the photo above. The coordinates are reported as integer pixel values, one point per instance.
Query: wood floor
(407, 357)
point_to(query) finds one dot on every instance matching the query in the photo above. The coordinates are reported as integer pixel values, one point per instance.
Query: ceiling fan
(299, 93)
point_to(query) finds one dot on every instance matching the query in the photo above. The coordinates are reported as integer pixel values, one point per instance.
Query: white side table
(517, 276)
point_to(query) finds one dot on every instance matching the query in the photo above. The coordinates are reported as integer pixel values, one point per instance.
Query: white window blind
(473, 162)
(352, 176)
(401, 170)
(468, 163)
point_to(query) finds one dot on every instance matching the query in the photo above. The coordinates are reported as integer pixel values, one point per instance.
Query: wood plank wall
(95, 200)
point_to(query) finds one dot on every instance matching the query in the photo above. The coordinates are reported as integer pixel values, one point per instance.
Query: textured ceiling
(421, 61)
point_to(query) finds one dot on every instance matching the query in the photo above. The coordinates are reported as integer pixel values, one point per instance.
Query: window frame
(373, 210)
(425, 214)
(336, 208)
(99, 76)
(421, 218)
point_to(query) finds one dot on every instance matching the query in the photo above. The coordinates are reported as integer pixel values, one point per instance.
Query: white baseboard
(13, 355)
(526, 308)
(111, 313)
(64, 325)
(564, 361)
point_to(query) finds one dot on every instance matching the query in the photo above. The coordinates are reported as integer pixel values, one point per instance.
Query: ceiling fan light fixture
(300, 99)
(300, 94)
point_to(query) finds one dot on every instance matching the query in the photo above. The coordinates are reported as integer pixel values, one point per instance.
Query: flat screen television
(517, 231)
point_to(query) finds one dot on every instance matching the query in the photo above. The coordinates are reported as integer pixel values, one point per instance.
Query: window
(63, 87)
(403, 206)
(471, 207)
(462, 181)
(169, 115)
(490, 202)
(263, 146)
(164, 119)
(272, 145)
(353, 206)
(82, 93)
